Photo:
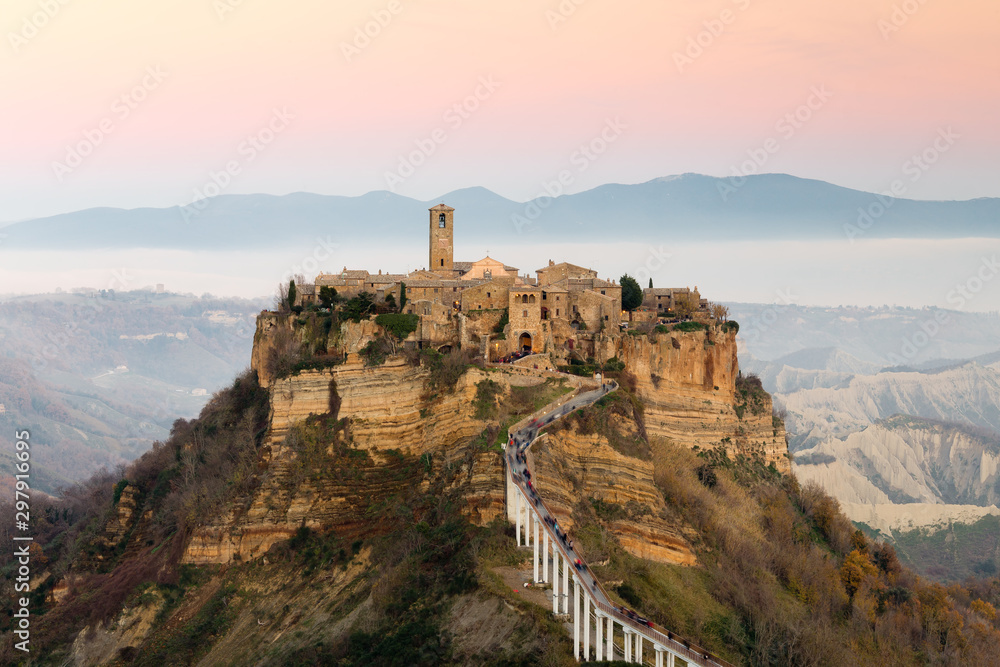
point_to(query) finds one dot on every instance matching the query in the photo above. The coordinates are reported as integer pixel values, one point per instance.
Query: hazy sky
(126, 103)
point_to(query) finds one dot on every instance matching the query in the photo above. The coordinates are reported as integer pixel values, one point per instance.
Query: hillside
(909, 451)
(690, 206)
(100, 379)
(352, 512)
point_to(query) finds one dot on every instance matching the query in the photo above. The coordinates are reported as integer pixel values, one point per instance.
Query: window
(557, 312)
(454, 289)
(488, 295)
(441, 220)
(602, 291)
(487, 274)
(442, 264)
(435, 290)
(557, 298)
(524, 313)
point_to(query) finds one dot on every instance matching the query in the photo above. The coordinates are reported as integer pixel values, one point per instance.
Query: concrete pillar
(527, 523)
(671, 660)
(566, 566)
(611, 639)
(576, 618)
(598, 638)
(658, 662)
(555, 583)
(586, 625)
(545, 555)
(517, 511)
(534, 520)
(627, 643)
(638, 648)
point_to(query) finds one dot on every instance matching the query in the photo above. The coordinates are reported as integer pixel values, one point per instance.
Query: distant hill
(691, 206)
(97, 380)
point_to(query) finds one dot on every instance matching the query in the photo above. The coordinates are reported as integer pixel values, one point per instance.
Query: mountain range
(689, 207)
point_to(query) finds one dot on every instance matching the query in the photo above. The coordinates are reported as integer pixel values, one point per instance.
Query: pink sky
(559, 84)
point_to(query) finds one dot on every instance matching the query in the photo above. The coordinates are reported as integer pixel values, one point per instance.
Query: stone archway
(524, 342)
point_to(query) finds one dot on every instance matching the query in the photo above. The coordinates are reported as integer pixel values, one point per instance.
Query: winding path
(526, 508)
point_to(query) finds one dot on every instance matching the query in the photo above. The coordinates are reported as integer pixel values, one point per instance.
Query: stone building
(442, 242)
(462, 302)
(663, 299)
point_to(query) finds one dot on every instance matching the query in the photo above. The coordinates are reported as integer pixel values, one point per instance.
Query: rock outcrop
(570, 468)
(389, 418)
(687, 382)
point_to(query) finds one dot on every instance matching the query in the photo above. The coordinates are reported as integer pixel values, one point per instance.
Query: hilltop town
(489, 305)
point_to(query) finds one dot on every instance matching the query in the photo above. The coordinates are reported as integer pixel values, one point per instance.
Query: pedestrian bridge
(618, 633)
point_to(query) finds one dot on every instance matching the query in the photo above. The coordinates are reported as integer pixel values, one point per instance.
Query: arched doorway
(524, 342)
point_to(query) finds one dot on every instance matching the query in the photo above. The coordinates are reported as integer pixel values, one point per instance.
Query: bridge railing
(673, 642)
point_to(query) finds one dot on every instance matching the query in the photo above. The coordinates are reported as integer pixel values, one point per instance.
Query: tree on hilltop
(631, 293)
(718, 311)
(650, 283)
(327, 296)
(291, 293)
(685, 305)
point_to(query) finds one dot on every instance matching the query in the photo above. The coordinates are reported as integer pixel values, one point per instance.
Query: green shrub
(731, 325)
(375, 352)
(504, 321)
(691, 326)
(119, 487)
(614, 365)
(399, 325)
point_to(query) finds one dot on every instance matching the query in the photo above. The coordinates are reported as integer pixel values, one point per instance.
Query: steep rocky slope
(388, 412)
(969, 394)
(688, 385)
(911, 462)
(354, 455)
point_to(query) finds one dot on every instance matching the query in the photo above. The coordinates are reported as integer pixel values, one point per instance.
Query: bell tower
(442, 241)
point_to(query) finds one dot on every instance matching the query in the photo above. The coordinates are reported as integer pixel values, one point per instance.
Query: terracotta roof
(385, 278)
(567, 264)
(440, 207)
(353, 274)
(444, 283)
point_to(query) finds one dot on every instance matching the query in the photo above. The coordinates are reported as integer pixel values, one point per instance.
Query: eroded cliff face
(687, 382)
(571, 468)
(391, 420)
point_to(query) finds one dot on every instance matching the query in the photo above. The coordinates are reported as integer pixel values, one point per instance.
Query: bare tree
(718, 311)
(685, 305)
(281, 298)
